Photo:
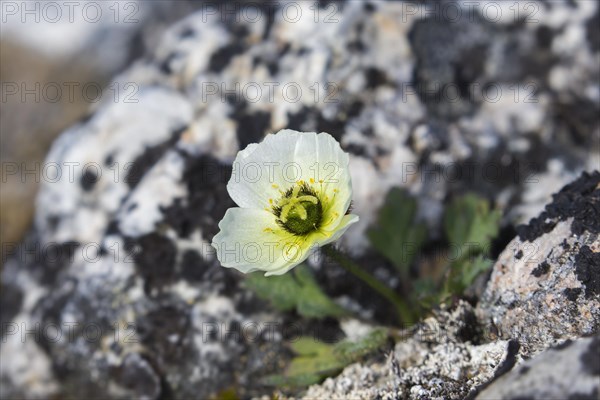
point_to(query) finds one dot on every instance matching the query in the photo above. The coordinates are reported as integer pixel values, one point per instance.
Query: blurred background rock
(44, 66)
(152, 267)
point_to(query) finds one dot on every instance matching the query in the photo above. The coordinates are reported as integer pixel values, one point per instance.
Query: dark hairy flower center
(299, 211)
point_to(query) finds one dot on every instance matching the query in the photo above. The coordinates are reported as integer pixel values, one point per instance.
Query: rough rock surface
(119, 251)
(569, 371)
(440, 361)
(545, 286)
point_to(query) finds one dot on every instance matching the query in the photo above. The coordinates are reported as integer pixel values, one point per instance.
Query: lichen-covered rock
(442, 359)
(569, 371)
(545, 286)
(54, 69)
(119, 257)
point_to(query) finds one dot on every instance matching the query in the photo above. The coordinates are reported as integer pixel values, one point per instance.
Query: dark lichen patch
(542, 269)
(154, 256)
(354, 108)
(165, 66)
(544, 36)
(109, 160)
(148, 158)
(50, 259)
(311, 119)
(165, 329)
(576, 117)
(303, 120)
(222, 57)
(572, 293)
(11, 299)
(519, 254)
(587, 269)
(375, 78)
(336, 126)
(489, 171)
(88, 180)
(193, 266)
(138, 377)
(449, 54)
(113, 228)
(580, 200)
(356, 149)
(205, 178)
(252, 127)
(537, 227)
(49, 310)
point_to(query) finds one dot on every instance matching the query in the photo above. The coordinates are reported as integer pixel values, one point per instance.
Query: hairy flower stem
(404, 313)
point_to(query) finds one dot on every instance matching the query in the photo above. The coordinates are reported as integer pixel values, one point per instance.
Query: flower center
(299, 210)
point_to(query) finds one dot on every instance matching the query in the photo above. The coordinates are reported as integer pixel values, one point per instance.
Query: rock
(118, 261)
(569, 371)
(59, 60)
(545, 286)
(442, 360)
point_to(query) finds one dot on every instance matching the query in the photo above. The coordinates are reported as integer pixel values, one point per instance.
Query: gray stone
(545, 286)
(570, 371)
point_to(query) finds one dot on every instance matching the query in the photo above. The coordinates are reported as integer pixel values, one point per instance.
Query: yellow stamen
(294, 202)
(312, 199)
(301, 212)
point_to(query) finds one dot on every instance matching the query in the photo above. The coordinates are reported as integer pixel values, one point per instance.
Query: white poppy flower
(293, 191)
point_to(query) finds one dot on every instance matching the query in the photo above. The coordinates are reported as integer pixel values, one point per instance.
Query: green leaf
(296, 290)
(354, 351)
(426, 292)
(397, 235)
(316, 360)
(464, 271)
(470, 225)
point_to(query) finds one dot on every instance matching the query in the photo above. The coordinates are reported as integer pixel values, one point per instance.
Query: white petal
(250, 240)
(312, 243)
(335, 205)
(345, 223)
(280, 160)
